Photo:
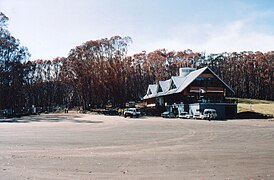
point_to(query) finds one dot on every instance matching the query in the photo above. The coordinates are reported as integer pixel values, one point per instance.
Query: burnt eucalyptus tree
(12, 72)
(44, 85)
(95, 71)
(249, 73)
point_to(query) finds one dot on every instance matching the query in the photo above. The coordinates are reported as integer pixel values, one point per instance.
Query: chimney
(183, 72)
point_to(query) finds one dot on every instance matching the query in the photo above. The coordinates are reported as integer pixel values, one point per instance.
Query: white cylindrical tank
(183, 72)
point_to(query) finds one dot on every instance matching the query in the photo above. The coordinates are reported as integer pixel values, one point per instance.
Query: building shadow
(253, 115)
(47, 118)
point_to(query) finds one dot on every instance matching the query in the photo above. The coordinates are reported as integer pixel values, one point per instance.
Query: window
(206, 82)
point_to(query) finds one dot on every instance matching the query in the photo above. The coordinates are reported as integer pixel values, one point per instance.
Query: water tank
(183, 72)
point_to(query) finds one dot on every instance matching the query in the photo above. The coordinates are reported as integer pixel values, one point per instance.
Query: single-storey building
(193, 90)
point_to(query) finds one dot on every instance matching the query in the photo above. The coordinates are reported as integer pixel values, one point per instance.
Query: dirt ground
(83, 146)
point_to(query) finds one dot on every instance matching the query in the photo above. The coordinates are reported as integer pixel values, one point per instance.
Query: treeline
(99, 72)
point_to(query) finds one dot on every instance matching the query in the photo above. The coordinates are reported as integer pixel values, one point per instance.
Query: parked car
(209, 114)
(111, 112)
(168, 114)
(131, 112)
(197, 115)
(185, 115)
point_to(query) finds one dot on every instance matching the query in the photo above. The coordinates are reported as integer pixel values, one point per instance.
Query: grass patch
(250, 101)
(255, 105)
(241, 108)
(259, 108)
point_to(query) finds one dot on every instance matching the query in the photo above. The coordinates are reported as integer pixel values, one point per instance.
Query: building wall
(151, 102)
(224, 110)
(194, 108)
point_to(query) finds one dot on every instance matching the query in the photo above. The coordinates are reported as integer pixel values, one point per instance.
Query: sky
(50, 28)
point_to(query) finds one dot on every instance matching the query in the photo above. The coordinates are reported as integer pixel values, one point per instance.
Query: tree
(11, 56)
(95, 71)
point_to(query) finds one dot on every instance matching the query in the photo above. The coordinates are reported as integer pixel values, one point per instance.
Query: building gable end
(172, 85)
(160, 89)
(149, 92)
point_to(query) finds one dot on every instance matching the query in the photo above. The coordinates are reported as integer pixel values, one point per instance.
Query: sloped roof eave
(149, 96)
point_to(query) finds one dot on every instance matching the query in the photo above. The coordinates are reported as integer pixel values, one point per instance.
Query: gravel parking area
(86, 146)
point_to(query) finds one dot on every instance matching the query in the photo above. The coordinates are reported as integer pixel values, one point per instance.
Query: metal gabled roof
(222, 81)
(165, 85)
(190, 78)
(153, 88)
(181, 83)
(151, 91)
(193, 75)
(178, 80)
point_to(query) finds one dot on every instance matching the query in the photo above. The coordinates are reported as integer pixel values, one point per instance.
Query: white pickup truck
(131, 112)
(207, 114)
